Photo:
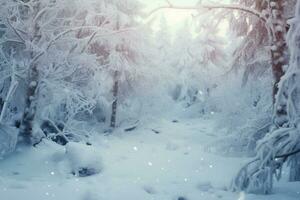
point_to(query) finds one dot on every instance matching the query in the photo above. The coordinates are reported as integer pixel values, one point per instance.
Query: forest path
(138, 165)
(171, 163)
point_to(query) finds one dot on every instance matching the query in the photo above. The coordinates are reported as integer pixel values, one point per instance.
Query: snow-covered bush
(243, 112)
(84, 160)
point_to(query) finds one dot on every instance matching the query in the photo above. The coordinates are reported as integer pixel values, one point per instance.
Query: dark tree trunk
(115, 102)
(29, 113)
(30, 106)
(279, 54)
(295, 169)
(279, 48)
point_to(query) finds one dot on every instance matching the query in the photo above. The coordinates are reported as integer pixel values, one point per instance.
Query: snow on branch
(55, 39)
(210, 7)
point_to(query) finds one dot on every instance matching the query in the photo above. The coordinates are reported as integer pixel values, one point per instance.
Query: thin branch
(288, 154)
(16, 41)
(41, 13)
(22, 31)
(92, 37)
(15, 31)
(217, 6)
(89, 41)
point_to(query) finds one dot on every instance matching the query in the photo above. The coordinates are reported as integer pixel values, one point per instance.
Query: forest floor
(160, 160)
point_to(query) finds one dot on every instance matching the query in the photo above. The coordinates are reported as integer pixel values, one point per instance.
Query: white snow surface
(137, 165)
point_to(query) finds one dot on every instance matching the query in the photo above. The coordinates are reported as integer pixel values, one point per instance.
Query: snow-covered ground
(160, 160)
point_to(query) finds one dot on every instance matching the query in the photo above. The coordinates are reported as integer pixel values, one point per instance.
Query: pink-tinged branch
(59, 36)
(210, 7)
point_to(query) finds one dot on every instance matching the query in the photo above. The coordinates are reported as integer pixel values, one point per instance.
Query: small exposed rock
(149, 189)
(155, 131)
(204, 187)
(84, 172)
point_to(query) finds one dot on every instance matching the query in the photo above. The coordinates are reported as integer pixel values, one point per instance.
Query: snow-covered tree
(45, 43)
(198, 60)
(252, 54)
(276, 146)
(126, 50)
(32, 27)
(281, 144)
(259, 38)
(182, 62)
(120, 56)
(163, 38)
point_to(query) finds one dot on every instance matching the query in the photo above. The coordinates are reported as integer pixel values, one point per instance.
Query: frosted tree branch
(210, 7)
(55, 39)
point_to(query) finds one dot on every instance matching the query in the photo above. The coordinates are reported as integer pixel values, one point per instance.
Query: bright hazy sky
(175, 18)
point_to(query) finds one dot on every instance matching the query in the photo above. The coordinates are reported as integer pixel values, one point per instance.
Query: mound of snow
(8, 140)
(84, 160)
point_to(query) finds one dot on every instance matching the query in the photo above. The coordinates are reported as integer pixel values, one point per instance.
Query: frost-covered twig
(92, 37)
(15, 31)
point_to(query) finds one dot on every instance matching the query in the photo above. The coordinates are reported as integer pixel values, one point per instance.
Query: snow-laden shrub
(241, 104)
(84, 160)
(242, 112)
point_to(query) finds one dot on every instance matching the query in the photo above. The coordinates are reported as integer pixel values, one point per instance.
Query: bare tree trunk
(115, 102)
